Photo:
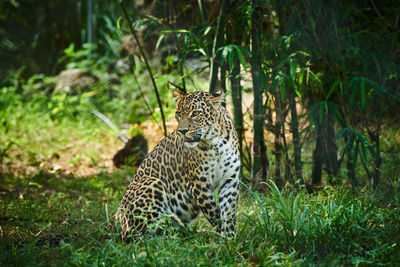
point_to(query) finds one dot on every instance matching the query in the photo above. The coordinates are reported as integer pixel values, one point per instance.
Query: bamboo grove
(324, 76)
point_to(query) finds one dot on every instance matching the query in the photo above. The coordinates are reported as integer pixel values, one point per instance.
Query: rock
(133, 153)
(75, 79)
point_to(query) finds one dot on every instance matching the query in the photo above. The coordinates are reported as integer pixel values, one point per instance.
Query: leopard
(193, 170)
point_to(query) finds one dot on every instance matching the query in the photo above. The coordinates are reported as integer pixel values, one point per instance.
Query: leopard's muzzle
(191, 140)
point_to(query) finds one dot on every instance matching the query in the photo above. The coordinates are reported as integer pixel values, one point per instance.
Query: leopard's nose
(183, 131)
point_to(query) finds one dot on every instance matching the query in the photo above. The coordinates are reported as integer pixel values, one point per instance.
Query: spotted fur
(178, 178)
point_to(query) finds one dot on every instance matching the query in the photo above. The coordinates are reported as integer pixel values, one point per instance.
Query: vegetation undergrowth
(56, 216)
(51, 218)
(48, 219)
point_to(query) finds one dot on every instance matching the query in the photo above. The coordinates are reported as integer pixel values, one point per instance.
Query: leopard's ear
(217, 97)
(177, 94)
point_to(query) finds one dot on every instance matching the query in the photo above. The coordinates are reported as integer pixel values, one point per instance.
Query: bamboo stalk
(218, 42)
(237, 102)
(260, 162)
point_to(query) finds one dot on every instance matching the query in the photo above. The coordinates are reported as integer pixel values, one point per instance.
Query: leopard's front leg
(228, 198)
(205, 201)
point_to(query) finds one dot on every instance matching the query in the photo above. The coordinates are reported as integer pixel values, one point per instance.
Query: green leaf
(281, 63)
(160, 39)
(353, 91)
(240, 51)
(315, 79)
(338, 82)
(243, 50)
(119, 23)
(176, 31)
(201, 51)
(343, 131)
(207, 30)
(378, 67)
(364, 151)
(292, 71)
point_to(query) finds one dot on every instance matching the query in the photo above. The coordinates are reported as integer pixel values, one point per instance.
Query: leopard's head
(196, 115)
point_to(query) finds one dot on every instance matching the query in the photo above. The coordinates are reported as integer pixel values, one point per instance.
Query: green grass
(52, 218)
(332, 227)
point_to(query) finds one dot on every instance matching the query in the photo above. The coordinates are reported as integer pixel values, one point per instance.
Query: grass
(57, 196)
(48, 219)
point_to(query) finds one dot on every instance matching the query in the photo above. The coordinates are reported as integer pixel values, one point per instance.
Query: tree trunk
(317, 158)
(278, 138)
(294, 127)
(260, 163)
(378, 159)
(89, 33)
(325, 150)
(331, 149)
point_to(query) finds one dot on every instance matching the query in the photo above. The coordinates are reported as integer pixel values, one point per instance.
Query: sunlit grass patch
(334, 225)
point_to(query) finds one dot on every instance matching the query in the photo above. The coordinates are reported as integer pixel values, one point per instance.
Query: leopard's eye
(195, 113)
(178, 114)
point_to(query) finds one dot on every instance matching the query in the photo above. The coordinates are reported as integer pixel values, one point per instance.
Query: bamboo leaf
(119, 23)
(364, 151)
(378, 67)
(243, 50)
(225, 50)
(281, 63)
(176, 31)
(304, 53)
(292, 70)
(343, 131)
(353, 91)
(160, 39)
(336, 83)
(338, 115)
(207, 30)
(301, 78)
(315, 78)
(201, 51)
(239, 52)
